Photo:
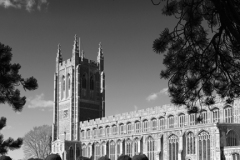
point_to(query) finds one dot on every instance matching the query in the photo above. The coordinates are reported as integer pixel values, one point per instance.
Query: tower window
(84, 81)
(63, 87)
(91, 83)
(69, 86)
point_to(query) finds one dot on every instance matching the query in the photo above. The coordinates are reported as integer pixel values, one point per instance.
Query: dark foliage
(124, 157)
(53, 157)
(5, 158)
(104, 158)
(202, 52)
(10, 79)
(8, 144)
(35, 159)
(140, 157)
(83, 158)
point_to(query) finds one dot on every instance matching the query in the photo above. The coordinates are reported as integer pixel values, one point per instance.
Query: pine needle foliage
(202, 52)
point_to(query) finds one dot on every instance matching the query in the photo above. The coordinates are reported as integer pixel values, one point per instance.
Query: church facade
(162, 133)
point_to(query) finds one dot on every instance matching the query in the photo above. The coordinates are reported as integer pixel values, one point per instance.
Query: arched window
(228, 114)
(121, 129)
(235, 156)
(114, 129)
(88, 133)
(190, 143)
(118, 148)
(181, 120)
(101, 131)
(91, 83)
(204, 145)
(94, 132)
(84, 151)
(135, 145)
(204, 116)
(77, 152)
(137, 127)
(154, 124)
(84, 81)
(129, 128)
(231, 138)
(89, 154)
(112, 150)
(161, 123)
(150, 148)
(171, 121)
(97, 151)
(107, 131)
(145, 125)
(63, 87)
(173, 147)
(69, 86)
(215, 113)
(103, 149)
(82, 134)
(192, 119)
(129, 148)
(71, 153)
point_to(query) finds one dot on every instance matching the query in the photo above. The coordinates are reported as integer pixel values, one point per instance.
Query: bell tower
(79, 92)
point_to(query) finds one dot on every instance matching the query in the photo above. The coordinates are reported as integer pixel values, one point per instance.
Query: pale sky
(126, 30)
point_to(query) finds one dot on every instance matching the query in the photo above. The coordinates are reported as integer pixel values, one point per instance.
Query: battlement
(68, 62)
(157, 111)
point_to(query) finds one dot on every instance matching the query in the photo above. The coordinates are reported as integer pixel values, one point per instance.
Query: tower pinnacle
(75, 46)
(59, 53)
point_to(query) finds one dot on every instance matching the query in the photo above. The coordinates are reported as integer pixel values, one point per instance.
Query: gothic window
(91, 83)
(204, 145)
(145, 125)
(114, 129)
(192, 119)
(88, 133)
(68, 86)
(235, 156)
(135, 145)
(121, 127)
(181, 120)
(118, 148)
(84, 81)
(137, 127)
(215, 113)
(161, 123)
(94, 132)
(107, 131)
(204, 117)
(84, 151)
(101, 132)
(190, 143)
(71, 153)
(89, 150)
(103, 149)
(112, 150)
(231, 138)
(228, 114)
(63, 87)
(150, 148)
(97, 151)
(82, 134)
(154, 124)
(129, 128)
(129, 148)
(173, 147)
(77, 152)
(171, 121)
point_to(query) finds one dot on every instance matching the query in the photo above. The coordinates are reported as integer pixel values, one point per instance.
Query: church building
(165, 132)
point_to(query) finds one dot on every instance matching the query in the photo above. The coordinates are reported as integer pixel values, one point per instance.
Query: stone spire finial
(75, 45)
(100, 52)
(82, 55)
(59, 53)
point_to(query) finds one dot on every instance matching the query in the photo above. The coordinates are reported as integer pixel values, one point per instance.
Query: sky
(126, 30)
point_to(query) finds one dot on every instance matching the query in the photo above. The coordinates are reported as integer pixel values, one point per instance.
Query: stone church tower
(79, 93)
